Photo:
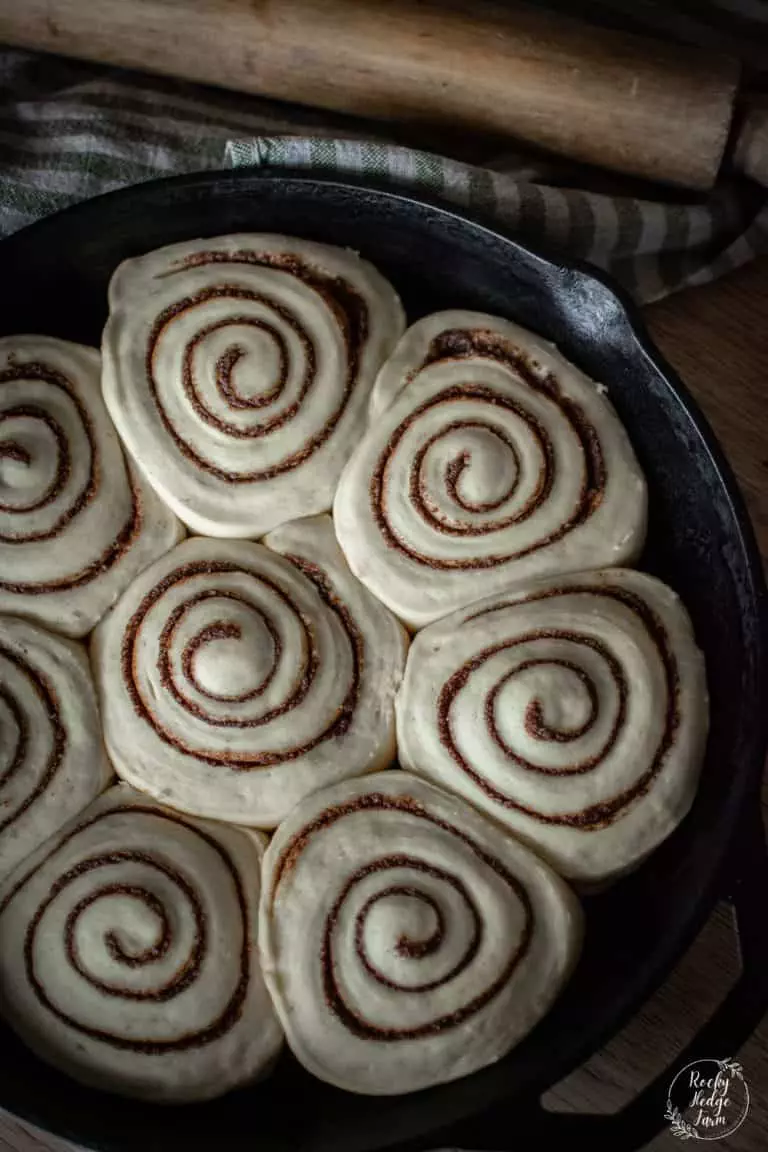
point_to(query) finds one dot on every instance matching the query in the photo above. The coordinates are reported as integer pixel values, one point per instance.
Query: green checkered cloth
(70, 130)
(653, 247)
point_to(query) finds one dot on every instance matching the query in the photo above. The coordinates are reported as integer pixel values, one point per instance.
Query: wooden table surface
(717, 338)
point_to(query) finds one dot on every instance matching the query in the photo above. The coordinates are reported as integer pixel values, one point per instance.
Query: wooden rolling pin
(602, 97)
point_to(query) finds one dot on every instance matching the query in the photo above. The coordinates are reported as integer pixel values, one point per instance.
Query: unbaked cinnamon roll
(238, 371)
(129, 955)
(52, 757)
(490, 460)
(573, 711)
(75, 525)
(236, 678)
(405, 939)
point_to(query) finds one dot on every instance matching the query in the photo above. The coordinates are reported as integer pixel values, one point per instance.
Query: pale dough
(405, 939)
(238, 371)
(76, 526)
(52, 757)
(490, 460)
(129, 955)
(235, 680)
(574, 711)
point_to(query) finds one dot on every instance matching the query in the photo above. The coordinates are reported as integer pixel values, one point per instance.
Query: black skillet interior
(54, 278)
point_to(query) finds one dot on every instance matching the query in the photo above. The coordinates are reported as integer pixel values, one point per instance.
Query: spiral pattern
(490, 460)
(234, 680)
(238, 372)
(575, 712)
(406, 941)
(52, 760)
(75, 528)
(129, 953)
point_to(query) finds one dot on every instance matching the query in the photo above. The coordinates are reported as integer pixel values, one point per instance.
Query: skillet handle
(728, 1028)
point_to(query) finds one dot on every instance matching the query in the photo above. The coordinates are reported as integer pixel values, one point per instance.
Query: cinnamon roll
(574, 711)
(129, 953)
(406, 940)
(75, 526)
(235, 680)
(52, 758)
(490, 460)
(238, 371)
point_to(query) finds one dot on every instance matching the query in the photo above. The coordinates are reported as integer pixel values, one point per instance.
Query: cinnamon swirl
(574, 711)
(235, 680)
(52, 758)
(406, 940)
(491, 460)
(129, 955)
(238, 372)
(75, 526)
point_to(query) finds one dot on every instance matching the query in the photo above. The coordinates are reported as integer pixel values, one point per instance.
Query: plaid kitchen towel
(653, 247)
(69, 131)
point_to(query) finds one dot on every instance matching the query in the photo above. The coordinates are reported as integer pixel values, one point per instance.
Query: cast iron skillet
(54, 279)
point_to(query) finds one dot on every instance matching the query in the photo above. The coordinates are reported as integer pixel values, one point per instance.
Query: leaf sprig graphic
(678, 1126)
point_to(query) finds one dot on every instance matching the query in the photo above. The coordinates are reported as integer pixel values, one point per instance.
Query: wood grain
(750, 153)
(717, 338)
(599, 96)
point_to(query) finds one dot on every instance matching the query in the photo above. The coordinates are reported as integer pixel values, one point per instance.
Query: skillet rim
(668, 950)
